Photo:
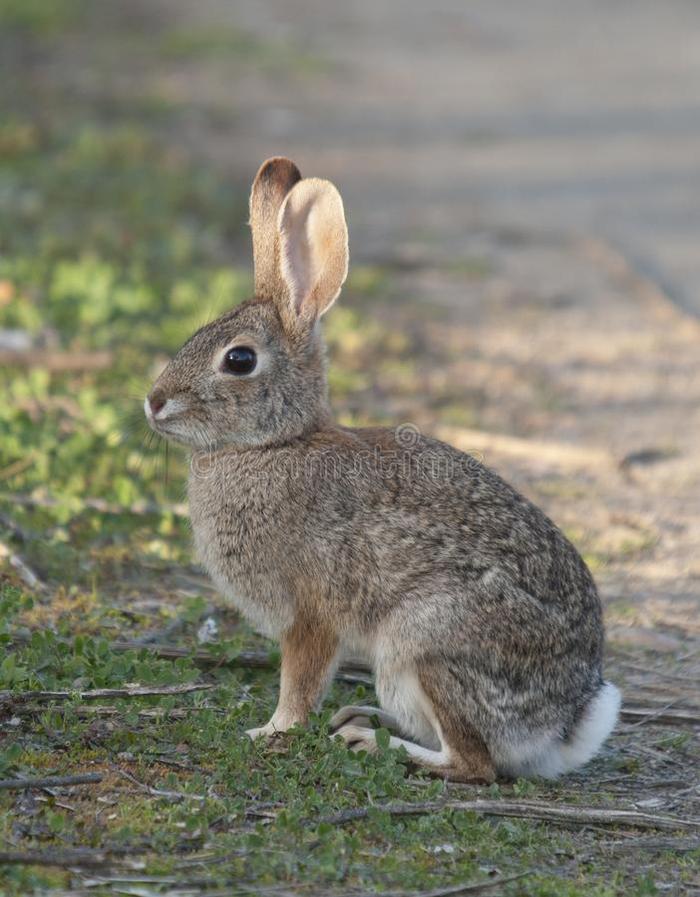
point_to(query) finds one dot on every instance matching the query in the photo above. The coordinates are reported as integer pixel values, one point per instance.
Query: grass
(111, 242)
(39, 17)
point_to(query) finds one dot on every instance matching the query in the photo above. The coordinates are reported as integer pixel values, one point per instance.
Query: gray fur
(415, 554)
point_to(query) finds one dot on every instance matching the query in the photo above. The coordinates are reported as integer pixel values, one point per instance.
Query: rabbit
(480, 620)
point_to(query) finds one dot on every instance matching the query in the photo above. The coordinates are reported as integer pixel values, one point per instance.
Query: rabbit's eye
(239, 360)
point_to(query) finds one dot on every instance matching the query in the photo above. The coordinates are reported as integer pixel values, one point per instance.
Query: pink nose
(157, 402)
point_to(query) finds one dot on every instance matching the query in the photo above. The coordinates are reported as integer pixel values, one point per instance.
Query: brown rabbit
(480, 620)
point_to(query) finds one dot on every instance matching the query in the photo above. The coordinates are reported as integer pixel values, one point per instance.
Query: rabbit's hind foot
(474, 769)
(363, 717)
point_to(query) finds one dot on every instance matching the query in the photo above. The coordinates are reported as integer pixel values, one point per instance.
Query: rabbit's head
(256, 376)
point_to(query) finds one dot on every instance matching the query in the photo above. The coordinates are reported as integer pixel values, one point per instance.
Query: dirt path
(439, 117)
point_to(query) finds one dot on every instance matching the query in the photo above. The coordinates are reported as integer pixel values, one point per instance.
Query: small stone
(442, 848)
(208, 631)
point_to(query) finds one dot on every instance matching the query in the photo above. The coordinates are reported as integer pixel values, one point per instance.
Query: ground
(485, 306)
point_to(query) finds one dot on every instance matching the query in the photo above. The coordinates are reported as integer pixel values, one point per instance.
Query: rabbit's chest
(239, 537)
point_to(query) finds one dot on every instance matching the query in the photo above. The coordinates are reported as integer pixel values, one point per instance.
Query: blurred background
(522, 186)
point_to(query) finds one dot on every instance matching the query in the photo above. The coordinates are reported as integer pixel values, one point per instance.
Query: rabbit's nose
(157, 402)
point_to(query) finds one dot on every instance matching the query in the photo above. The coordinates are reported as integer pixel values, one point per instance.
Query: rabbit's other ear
(314, 247)
(272, 183)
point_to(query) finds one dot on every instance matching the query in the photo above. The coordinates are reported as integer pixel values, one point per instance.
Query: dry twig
(81, 856)
(523, 810)
(26, 574)
(87, 778)
(663, 716)
(90, 711)
(260, 660)
(133, 691)
(14, 528)
(477, 887)
(677, 845)
(159, 792)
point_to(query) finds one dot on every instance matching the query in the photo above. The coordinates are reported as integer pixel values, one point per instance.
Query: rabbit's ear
(314, 247)
(272, 183)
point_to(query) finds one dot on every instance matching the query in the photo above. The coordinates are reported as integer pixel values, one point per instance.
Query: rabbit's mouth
(161, 414)
(173, 419)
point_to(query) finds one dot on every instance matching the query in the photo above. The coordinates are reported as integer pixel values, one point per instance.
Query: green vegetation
(38, 16)
(113, 248)
(231, 45)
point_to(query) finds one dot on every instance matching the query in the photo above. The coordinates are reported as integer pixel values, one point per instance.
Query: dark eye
(240, 360)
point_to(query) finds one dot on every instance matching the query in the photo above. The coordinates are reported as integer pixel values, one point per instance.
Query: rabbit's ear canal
(314, 247)
(272, 183)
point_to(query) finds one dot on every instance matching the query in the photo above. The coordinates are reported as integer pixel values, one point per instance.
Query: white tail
(598, 722)
(549, 756)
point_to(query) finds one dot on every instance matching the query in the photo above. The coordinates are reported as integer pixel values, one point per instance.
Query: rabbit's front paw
(358, 738)
(267, 731)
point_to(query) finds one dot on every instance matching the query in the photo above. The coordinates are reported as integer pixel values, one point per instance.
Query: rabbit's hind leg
(447, 746)
(467, 756)
(446, 762)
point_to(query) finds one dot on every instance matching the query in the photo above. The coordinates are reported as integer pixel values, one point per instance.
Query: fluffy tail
(550, 756)
(585, 741)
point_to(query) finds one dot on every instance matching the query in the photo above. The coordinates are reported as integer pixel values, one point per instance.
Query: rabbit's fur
(481, 621)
